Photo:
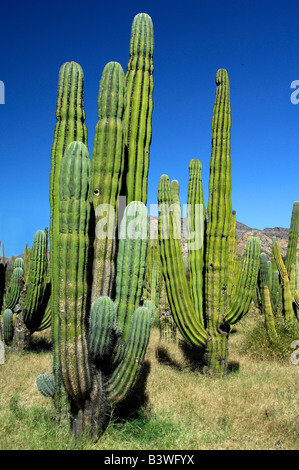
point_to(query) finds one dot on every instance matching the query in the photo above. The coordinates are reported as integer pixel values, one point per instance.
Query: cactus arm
(131, 263)
(70, 126)
(232, 257)
(296, 299)
(269, 319)
(138, 113)
(219, 206)
(14, 288)
(125, 373)
(286, 290)
(174, 273)
(242, 299)
(196, 226)
(102, 322)
(106, 174)
(8, 330)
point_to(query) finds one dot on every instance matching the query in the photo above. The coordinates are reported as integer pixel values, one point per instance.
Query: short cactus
(8, 329)
(45, 384)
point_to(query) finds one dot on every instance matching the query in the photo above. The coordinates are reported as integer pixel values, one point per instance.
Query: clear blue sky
(256, 41)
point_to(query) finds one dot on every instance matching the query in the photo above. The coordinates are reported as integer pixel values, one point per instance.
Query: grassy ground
(254, 407)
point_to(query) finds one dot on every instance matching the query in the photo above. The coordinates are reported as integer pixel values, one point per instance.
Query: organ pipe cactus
(101, 347)
(138, 112)
(204, 313)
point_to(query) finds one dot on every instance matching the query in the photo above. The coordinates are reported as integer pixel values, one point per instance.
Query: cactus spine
(138, 113)
(204, 314)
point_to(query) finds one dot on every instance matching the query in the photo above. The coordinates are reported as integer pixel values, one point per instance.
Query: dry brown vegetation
(254, 407)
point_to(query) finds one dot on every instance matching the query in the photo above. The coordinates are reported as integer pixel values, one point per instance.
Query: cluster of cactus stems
(30, 300)
(278, 286)
(100, 330)
(215, 298)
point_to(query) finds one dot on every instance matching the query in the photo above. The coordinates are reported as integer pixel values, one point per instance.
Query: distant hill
(243, 232)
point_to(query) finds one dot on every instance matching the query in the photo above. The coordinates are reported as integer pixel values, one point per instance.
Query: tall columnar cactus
(101, 346)
(205, 312)
(70, 126)
(37, 294)
(106, 176)
(138, 112)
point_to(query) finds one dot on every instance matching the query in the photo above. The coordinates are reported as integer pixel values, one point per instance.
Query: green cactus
(26, 261)
(138, 112)
(100, 350)
(14, 288)
(37, 295)
(8, 329)
(291, 256)
(45, 383)
(205, 313)
(70, 126)
(106, 176)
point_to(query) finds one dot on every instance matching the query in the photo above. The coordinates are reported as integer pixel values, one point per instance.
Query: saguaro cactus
(100, 349)
(138, 112)
(205, 312)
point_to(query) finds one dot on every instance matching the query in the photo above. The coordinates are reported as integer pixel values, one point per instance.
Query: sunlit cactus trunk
(138, 113)
(70, 126)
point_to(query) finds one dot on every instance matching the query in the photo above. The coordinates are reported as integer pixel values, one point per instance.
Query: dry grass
(254, 407)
